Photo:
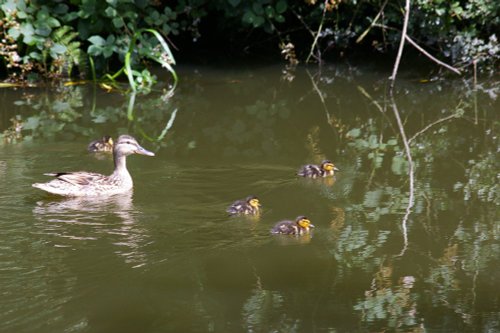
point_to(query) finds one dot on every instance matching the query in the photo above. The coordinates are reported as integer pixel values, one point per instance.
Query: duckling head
(126, 145)
(304, 222)
(328, 166)
(108, 140)
(253, 201)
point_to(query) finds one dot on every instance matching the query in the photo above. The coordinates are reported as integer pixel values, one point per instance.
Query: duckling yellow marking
(304, 223)
(254, 203)
(328, 167)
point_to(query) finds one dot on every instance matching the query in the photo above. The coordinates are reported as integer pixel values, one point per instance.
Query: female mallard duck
(248, 206)
(325, 169)
(105, 144)
(83, 183)
(300, 226)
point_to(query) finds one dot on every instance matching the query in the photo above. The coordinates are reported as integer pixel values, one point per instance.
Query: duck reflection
(76, 221)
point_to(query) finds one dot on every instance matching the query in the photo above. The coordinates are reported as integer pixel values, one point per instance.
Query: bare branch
(401, 45)
(431, 125)
(418, 47)
(411, 175)
(374, 22)
(453, 69)
(313, 46)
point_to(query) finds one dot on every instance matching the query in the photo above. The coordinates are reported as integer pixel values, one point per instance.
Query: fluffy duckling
(248, 206)
(325, 169)
(87, 184)
(300, 226)
(105, 144)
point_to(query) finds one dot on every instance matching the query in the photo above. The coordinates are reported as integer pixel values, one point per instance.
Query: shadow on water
(389, 253)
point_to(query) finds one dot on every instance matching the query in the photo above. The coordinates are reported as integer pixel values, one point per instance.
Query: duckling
(325, 169)
(105, 144)
(248, 206)
(300, 226)
(85, 184)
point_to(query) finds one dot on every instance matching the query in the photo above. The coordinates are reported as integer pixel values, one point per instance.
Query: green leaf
(118, 22)
(234, 3)
(354, 133)
(14, 33)
(36, 56)
(269, 12)
(31, 123)
(257, 8)
(9, 6)
(392, 142)
(280, 19)
(259, 21)
(52, 22)
(61, 9)
(57, 49)
(107, 52)
(248, 17)
(97, 40)
(43, 31)
(397, 164)
(94, 50)
(281, 6)
(110, 12)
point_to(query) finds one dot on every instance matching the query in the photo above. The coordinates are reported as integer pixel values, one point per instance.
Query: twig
(401, 45)
(418, 47)
(313, 46)
(320, 95)
(377, 105)
(430, 125)
(304, 23)
(410, 174)
(360, 38)
(412, 42)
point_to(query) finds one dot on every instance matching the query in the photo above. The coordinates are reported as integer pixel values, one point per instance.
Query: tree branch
(374, 22)
(313, 46)
(401, 45)
(418, 47)
(411, 175)
(453, 69)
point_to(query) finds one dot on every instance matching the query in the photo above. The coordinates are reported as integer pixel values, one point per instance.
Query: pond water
(387, 253)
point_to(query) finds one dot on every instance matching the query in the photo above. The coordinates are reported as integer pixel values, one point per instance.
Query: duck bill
(311, 226)
(336, 169)
(143, 151)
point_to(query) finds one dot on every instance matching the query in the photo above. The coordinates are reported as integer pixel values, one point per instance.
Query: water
(167, 258)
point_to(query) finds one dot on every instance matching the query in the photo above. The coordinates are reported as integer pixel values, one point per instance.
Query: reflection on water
(86, 219)
(168, 258)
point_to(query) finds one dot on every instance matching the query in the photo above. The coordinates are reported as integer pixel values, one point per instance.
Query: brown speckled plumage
(300, 226)
(325, 169)
(84, 183)
(248, 206)
(105, 144)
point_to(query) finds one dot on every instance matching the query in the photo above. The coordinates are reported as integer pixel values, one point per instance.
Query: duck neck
(120, 165)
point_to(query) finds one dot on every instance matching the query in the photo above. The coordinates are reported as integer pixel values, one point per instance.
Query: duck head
(304, 222)
(126, 145)
(253, 201)
(328, 166)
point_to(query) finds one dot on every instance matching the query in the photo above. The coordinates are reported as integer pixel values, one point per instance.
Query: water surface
(167, 258)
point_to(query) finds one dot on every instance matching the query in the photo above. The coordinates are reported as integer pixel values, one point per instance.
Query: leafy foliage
(32, 31)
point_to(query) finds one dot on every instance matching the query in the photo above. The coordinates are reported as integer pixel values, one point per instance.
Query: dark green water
(168, 259)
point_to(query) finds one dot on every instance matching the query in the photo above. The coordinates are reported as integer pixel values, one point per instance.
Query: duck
(300, 226)
(87, 184)
(105, 144)
(249, 206)
(325, 169)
